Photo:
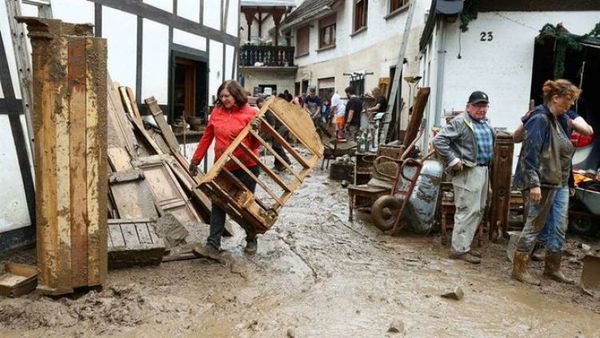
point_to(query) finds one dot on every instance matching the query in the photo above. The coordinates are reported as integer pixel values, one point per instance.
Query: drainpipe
(439, 89)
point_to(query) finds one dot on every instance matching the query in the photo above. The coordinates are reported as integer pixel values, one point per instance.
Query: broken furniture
(69, 114)
(375, 185)
(18, 279)
(133, 242)
(501, 175)
(258, 212)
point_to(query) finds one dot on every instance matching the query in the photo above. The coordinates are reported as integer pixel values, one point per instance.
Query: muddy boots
(552, 268)
(520, 272)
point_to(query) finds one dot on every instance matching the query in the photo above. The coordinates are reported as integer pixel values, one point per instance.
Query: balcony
(256, 57)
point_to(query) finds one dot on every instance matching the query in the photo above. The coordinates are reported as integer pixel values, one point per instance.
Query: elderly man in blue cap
(467, 146)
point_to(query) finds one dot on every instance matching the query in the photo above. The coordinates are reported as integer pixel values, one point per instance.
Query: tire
(385, 211)
(582, 226)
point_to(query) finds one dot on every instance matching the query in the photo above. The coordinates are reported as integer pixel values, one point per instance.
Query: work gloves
(193, 169)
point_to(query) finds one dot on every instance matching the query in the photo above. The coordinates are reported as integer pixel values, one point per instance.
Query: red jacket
(224, 126)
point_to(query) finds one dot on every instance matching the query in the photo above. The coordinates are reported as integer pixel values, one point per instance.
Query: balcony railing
(269, 56)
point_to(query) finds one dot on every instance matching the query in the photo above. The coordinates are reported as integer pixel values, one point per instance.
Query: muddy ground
(316, 274)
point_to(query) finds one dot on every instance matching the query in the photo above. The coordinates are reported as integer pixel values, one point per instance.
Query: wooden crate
(258, 212)
(69, 116)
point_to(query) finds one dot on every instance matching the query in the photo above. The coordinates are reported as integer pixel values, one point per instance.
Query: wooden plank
(44, 148)
(116, 237)
(162, 123)
(97, 171)
(78, 173)
(118, 118)
(135, 110)
(143, 233)
(137, 122)
(63, 177)
(119, 158)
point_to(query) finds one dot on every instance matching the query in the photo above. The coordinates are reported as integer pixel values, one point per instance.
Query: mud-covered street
(316, 274)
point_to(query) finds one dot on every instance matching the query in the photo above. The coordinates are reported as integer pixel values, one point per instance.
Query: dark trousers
(217, 214)
(279, 149)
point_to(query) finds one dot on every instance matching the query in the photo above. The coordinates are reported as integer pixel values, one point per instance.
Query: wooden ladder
(23, 54)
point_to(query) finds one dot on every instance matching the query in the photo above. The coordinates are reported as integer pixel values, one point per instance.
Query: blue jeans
(553, 235)
(217, 214)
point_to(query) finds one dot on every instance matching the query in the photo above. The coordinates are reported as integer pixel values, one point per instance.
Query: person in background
(571, 121)
(380, 106)
(277, 148)
(313, 103)
(542, 174)
(325, 112)
(287, 96)
(467, 145)
(338, 110)
(230, 115)
(352, 116)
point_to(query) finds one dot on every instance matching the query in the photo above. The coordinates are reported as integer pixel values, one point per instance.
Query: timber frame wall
(11, 106)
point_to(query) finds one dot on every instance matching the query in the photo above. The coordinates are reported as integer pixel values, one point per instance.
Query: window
(327, 32)
(359, 86)
(360, 14)
(326, 87)
(302, 39)
(396, 4)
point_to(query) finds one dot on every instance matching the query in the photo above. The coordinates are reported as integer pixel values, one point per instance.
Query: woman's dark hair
(560, 87)
(236, 90)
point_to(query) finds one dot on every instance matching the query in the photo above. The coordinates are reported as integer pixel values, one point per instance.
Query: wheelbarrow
(413, 198)
(584, 212)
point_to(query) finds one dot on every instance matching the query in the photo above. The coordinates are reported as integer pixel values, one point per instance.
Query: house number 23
(486, 36)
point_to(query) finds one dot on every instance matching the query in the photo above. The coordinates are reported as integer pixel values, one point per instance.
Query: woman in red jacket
(230, 115)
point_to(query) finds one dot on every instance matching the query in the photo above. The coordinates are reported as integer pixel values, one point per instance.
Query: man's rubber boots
(520, 272)
(552, 268)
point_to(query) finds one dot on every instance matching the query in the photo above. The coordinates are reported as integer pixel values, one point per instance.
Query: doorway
(188, 92)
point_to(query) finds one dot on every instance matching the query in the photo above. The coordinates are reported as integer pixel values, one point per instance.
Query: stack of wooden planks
(148, 179)
(69, 114)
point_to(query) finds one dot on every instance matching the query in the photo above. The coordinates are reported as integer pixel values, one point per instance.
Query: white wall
(120, 31)
(189, 9)
(215, 76)
(155, 61)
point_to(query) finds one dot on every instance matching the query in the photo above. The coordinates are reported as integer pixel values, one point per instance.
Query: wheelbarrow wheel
(385, 211)
(582, 226)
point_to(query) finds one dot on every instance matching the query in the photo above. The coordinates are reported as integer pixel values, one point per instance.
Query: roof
(307, 10)
(268, 3)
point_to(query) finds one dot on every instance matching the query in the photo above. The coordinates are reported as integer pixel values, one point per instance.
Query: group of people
(543, 174)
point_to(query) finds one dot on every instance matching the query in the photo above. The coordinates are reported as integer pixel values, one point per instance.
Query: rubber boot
(552, 268)
(520, 272)
(538, 254)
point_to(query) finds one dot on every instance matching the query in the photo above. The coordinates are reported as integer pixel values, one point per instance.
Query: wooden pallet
(258, 212)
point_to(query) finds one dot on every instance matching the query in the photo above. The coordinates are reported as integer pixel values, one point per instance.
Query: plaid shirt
(483, 135)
